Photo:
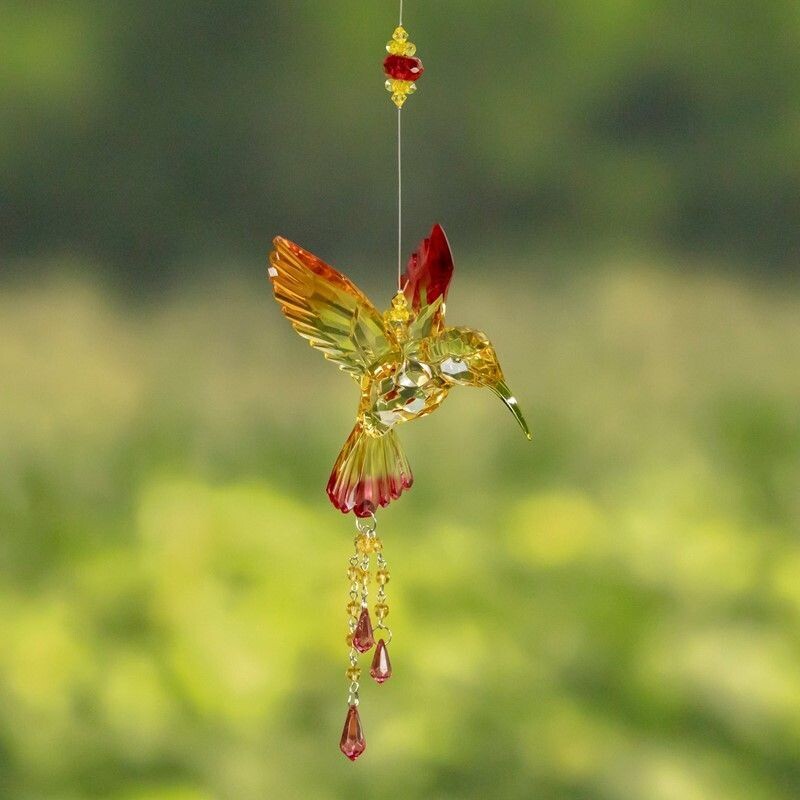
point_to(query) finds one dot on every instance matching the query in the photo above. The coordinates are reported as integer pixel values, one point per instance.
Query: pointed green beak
(504, 393)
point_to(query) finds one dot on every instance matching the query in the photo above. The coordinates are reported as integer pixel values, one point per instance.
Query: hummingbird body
(399, 393)
(405, 361)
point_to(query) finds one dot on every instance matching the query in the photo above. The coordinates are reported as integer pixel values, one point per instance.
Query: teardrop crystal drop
(363, 638)
(352, 743)
(381, 669)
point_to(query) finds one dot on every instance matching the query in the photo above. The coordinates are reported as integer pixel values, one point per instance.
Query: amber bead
(353, 673)
(364, 544)
(354, 608)
(353, 573)
(381, 610)
(377, 545)
(382, 576)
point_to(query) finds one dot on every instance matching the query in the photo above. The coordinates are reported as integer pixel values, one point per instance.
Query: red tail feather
(369, 472)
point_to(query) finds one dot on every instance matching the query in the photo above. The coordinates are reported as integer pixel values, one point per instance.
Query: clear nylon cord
(400, 186)
(399, 199)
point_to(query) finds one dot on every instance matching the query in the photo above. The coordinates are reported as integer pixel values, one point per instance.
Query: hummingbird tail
(369, 472)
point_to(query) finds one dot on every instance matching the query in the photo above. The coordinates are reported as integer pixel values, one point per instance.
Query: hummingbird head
(466, 357)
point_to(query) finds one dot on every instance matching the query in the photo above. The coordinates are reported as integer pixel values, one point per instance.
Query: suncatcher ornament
(405, 361)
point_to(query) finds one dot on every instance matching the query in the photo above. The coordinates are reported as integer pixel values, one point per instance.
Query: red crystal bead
(403, 68)
(381, 669)
(363, 638)
(352, 743)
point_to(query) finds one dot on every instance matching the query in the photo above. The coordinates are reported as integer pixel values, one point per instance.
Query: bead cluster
(401, 67)
(360, 634)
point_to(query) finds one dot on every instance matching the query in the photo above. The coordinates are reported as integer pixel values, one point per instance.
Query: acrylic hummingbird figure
(405, 361)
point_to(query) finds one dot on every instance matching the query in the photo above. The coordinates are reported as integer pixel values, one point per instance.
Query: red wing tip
(437, 232)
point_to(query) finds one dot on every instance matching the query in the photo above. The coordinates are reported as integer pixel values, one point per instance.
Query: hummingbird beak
(504, 393)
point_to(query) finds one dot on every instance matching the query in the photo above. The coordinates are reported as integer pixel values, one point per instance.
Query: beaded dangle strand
(405, 362)
(360, 633)
(402, 69)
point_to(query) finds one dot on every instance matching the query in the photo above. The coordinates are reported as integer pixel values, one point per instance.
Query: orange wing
(327, 309)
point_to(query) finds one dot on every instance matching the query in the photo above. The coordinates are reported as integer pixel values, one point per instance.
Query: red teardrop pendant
(381, 669)
(352, 743)
(363, 639)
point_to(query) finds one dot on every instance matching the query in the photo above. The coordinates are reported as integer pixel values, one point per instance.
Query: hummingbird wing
(427, 279)
(327, 309)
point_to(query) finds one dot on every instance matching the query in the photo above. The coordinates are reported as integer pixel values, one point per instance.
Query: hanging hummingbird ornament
(405, 361)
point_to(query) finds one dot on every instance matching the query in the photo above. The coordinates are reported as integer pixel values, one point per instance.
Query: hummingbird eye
(454, 367)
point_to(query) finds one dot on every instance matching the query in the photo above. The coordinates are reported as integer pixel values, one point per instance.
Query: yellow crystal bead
(382, 576)
(364, 544)
(353, 573)
(399, 313)
(349, 639)
(377, 545)
(396, 48)
(353, 673)
(400, 91)
(409, 49)
(354, 608)
(381, 610)
(363, 575)
(398, 86)
(400, 34)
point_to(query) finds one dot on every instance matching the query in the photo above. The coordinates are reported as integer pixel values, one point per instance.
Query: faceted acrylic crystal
(404, 362)
(381, 669)
(403, 68)
(363, 639)
(429, 270)
(352, 743)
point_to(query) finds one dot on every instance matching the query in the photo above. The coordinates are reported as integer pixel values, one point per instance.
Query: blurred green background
(610, 613)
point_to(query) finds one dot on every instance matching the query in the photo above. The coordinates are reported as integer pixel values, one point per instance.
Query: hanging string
(399, 200)
(400, 185)
(399, 99)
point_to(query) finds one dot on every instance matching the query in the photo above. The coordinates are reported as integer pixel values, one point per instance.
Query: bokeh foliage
(149, 135)
(609, 613)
